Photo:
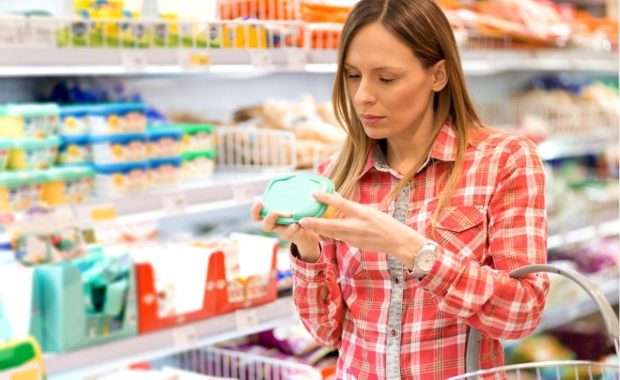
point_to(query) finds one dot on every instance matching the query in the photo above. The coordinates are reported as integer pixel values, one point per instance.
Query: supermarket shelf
(586, 233)
(222, 190)
(102, 358)
(44, 61)
(558, 315)
(567, 146)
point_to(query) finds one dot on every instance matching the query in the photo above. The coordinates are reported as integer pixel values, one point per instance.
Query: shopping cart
(560, 370)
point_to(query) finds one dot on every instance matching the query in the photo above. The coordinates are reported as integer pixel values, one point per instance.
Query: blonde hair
(422, 25)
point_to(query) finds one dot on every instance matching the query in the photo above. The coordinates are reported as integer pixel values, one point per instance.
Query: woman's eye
(386, 80)
(353, 76)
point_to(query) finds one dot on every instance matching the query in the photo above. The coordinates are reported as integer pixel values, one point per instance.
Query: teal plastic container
(5, 149)
(19, 190)
(68, 185)
(30, 153)
(292, 194)
(29, 120)
(84, 302)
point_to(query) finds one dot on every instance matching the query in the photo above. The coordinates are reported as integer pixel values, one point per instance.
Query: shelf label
(133, 60)
(242, 193)
(194, 60)
(174, 204)
(246, 319)
(296, 59)
(261, 59)
(93, 214)
(184, 338)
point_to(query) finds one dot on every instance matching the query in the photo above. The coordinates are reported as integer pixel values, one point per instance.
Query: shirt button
(393, 332)
(396, 280)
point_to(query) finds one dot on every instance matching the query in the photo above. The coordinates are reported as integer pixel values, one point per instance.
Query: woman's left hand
(363, 227)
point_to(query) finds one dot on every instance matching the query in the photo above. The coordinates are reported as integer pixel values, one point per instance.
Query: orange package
(258, 9)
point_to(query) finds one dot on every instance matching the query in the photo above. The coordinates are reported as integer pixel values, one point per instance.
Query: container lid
(116, 108)
(123, 168)
(74, 139)
(30, 143)
(158, 133)
(126, 138)
(68, 173)
(174, 161)
(17, 355)
(20, 178)
(29, 109)
(190, 156)
(191, 129)
(74, 110)
(292, 194)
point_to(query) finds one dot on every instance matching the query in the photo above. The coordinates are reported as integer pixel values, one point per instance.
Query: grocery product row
(303, 24)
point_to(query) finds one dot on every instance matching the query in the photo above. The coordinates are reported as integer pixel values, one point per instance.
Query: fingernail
(302, 221)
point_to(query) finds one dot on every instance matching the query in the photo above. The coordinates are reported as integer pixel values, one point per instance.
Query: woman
(435, 210)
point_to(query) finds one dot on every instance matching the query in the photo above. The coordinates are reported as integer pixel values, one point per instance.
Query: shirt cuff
(443, 274)
(307, 272)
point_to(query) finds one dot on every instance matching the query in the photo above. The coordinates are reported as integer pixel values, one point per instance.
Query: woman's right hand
(307, 242)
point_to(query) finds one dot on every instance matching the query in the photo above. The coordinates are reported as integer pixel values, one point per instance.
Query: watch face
(426, 259)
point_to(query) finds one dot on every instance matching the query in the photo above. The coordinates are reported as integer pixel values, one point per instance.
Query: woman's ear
(440, 76)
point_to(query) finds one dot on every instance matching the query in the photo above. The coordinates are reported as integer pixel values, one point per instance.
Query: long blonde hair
(422, 25)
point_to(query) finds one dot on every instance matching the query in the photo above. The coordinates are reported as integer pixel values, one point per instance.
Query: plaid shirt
(386, 323)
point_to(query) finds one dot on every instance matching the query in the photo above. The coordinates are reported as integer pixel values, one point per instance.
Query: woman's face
(391, 92)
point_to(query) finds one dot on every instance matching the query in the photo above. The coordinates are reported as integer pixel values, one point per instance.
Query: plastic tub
(198, 164)
(68, 185)
(112, 119)
(292, 194)
(165, 171)
(19, 190)
(113, 179)
(197, 137)
(28, 120)
(75, 150)
(164, 142)
(28, 154)
(115, 149)
(5, 149)
(74, 120)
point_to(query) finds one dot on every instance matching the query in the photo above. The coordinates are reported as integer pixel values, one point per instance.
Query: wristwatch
(425, 259)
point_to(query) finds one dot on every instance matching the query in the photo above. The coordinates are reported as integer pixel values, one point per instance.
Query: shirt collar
(444, 149)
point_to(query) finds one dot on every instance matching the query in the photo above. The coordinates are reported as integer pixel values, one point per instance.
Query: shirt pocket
(462, 229)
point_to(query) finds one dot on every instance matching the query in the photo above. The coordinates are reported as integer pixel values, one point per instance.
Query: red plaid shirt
(386, 323)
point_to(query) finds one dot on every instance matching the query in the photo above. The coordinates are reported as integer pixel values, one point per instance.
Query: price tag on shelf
(242, 193)
(261, 59)
(174, 204)
(296, 59)
(194, 60)
(94, 214)
(246, 319)
(133, 60)
(184, 338)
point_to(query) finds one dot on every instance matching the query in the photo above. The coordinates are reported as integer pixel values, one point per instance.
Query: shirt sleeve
(317, 296)
(486, 296)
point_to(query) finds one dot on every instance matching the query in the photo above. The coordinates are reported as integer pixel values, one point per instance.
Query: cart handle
(609, 316)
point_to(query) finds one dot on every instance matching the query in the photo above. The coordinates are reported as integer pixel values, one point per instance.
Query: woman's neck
(405, 152)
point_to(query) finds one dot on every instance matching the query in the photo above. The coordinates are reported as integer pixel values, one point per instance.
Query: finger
(333, 228)
(271, 220)
(340, 204)
(255, 211)
(291, 232)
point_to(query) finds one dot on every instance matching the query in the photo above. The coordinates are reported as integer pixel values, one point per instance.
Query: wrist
(407, 245)
(309, 252)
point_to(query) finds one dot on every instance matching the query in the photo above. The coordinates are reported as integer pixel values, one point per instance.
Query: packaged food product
(30, 153)
(109, 149)
(165, 171)
(197, 137)
(106, 119)
(114, 179)
(19, 190)
(164, 142)
(68, 185)
(74, 120)
(75, 149)
(28, 120)
(292, 194)
(5, 149)
(198, 164)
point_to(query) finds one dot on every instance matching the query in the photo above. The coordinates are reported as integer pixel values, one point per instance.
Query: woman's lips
(371, 120)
